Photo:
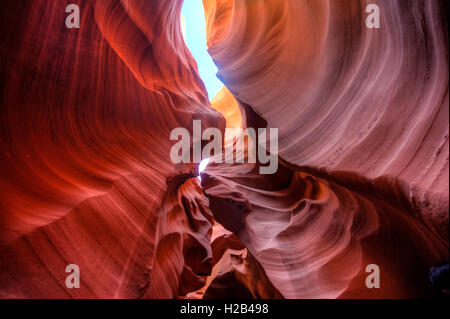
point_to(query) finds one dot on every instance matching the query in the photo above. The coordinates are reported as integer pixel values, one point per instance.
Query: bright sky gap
(195, 38)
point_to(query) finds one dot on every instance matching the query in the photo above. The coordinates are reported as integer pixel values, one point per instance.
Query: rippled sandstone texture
(86, 176)
(363, 123)
(86, 116)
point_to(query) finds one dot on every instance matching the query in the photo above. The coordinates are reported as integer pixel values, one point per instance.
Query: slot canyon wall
(86, 176)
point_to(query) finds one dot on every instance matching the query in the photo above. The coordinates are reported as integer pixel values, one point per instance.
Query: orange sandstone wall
(363, 131)
(86, 176)
(86, 116)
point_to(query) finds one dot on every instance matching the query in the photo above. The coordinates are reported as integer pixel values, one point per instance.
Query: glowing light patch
(202, 167)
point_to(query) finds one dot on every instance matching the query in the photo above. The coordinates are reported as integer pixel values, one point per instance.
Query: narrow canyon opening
(194, 32)
(193, 23)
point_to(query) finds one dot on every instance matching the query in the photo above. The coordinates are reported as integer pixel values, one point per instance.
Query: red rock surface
(86, 176)
(349, 101)
(86, 118)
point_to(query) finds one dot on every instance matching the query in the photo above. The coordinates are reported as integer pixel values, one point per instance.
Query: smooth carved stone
(86, 176)
(370, 103)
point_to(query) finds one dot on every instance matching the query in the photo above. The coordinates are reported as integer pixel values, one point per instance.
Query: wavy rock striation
(86, 176)
(314, 238)
(86, 116)
(363, 122)
(350, 102)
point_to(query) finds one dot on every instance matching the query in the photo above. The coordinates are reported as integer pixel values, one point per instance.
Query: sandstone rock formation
(86, 176)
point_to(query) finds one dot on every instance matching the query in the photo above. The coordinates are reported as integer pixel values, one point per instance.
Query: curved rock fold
(86, 176)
